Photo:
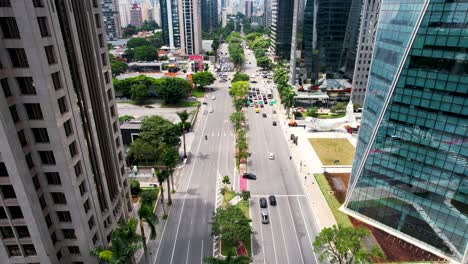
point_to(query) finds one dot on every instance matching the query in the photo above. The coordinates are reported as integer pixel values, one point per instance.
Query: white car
(213, 97)
(210, 110)
(271, 156)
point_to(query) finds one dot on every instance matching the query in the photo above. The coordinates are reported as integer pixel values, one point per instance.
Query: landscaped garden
(333, 151)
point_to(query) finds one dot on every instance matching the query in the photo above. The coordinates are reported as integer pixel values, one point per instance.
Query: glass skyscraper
(410, 174)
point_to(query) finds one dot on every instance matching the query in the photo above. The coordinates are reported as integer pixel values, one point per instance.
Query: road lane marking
(261, 232)
(307, 229)
(295, 231)
(284, 241)
(272, 235)
(186, 192)
(201, 261)
(188, 250)
(278, 195)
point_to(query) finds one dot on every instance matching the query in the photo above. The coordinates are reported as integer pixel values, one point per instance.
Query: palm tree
(145, 213)
(228, 260)
(183, 118)
(288, 100)
(162, 176)
(124, 243)
(170, 156)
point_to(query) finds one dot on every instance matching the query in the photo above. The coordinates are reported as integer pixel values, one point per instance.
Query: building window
(5, 3)
(18, 58)
(58, 198)
(62, 103)
(8, 191)
(47, 157)
(56, 80)
(117, 142)
(5, 87)
(34, 111)
(69, 233)
(9, 28)
(53, 237)
(91, 223)
(43, 204)
(104, 59)
(82, 188)
(40, 135)
(36, 183)
(78, 169)
(29, 250)
(101, 40)
(13, 251)
(112, 110)
(49, 50)
(74, 250)
(86, 206)
(73, 149)
(109, 95)
(53, 178)
(29, 160)
(22, 231)
(59, 255)
(2, 213)
(3, 170)
(43, 26)
(120, 156)
(115, 126)
(14, 114)
(107, 79)
(38, 3)
(95, 238)
(26, 85)
(48, 221)
(15, 212)
(7, 232)
(64, 216)
(22, 138)
(97, 19)
(95, 3)
(67, 126)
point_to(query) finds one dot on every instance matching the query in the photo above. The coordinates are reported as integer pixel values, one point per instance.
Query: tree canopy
(158, 131)
(139, 93)
(264, 63)
(117, 67)
(343, 245)
(232, 225)
(137, 42)
(203, 78)
(236, 53)
(240, 88)
(172, 90)
(240, 77)
(145, 53)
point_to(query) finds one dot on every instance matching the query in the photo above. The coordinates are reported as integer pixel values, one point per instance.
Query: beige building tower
(63, 184)
(190, 30)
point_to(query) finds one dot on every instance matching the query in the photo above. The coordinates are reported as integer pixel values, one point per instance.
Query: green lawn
(330, 150)
(325, 116)
(181, 104)
(198, 93)
(332, 202)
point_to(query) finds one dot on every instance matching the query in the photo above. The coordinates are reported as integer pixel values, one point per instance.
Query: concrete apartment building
(136, 16)
(191, 30)
(369, 18)
(63, 184)
(110, 14)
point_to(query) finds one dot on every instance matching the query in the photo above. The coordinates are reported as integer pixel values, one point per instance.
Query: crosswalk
(220, 134)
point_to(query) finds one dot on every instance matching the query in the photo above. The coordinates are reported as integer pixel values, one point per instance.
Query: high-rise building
(190, 31)
(369, 18)
(267, 13)
(281, 28)
(409, 175)
(170, 24)
(146, 10)
(63, 184)
(124, 12)
(136, 16)
(348, 53)
(248, 8)
(110, 14)
(324, 33)
(209, 15)
(296, 40)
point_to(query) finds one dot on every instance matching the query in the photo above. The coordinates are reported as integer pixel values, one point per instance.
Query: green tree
(146, 215)
(135, 187)
(240, 89)
(170, 156)
(203, 78)
(139, 93)
(246, 195)
(156, 40)
(157, 132)
(288, 100)
(149, 25)
(183, 116)
(129, 31)
(232, 225)
(117, 67)
(124, 244)
(259, 52)
(228, 260)
(172, 90)
(280, 76)
(125, 118)
(343, 245)
(339, 107)
(140, 150)
(264, 63)
(236, 119)
(215, 44)
(137, 42)
(145, 53)
(240, 77)
(312, 111)
(162, 175)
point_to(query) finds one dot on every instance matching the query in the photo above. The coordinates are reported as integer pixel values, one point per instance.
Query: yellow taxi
(257, 110)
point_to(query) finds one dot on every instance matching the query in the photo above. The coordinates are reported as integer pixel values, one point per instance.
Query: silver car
(265, 218)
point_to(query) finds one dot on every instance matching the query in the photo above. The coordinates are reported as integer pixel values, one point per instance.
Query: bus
(269, 94)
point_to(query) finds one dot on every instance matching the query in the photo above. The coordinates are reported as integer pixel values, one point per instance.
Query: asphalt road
(289, 235)
(186, 237)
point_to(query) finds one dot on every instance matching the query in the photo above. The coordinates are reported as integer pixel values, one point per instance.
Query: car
(205, 103)
(223, 81)
(271, 156)
(263, 203)
(213, 97)
(257, 110)
(257, 89)
(210, 110)
(274, 123)
(149, 106)
(265, 218)
(253, 81)
(251, 104)
(264, 115)
(272, 200)
(249, 176)
(261, 105)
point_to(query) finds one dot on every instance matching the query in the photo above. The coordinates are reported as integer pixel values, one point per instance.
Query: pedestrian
(290, 157)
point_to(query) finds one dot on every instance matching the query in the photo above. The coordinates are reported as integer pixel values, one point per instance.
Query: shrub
(226, 180)
(246, 195)
(135, 187)
(148, 196)
(223, 190)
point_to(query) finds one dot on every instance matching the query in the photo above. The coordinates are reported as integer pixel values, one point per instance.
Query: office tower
(209, 15)
(248, 8)
(157, 12)
(348, 53)
(124, 12)
(110, 14)
(223, 17)
(370, 15)
(409, 174)
(170, 24)
(267, 13)
(190, 31)
(324, 32)
(281, 28)
(296, 40)
(63, 184)
(136, 16)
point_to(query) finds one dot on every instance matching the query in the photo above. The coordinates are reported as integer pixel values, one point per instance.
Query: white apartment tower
(369, 18)
(63, 184)
(190, 30)
(110, 14)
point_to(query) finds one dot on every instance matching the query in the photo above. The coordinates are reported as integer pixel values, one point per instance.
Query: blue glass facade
(410, 170)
